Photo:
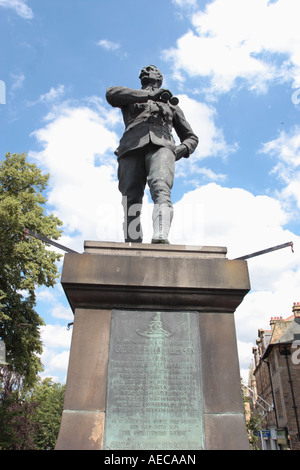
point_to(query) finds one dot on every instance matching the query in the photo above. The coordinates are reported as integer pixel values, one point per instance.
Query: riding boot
(162, 217)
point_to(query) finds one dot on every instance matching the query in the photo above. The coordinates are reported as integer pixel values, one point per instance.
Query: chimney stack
(296, 309)
(273, 319)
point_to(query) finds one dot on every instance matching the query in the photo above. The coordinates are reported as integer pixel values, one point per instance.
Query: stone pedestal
(153, 361)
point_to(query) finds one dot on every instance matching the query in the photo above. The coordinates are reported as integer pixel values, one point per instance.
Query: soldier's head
(151, 75)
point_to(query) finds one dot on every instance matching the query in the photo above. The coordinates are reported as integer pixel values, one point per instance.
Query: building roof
(292, 332)
(284, 331)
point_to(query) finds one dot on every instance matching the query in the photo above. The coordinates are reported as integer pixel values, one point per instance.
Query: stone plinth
(139, 304)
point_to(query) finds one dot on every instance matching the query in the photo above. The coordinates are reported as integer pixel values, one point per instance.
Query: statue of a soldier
(147, 151)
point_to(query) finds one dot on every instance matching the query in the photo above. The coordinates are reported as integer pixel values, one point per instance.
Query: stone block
(167, 281)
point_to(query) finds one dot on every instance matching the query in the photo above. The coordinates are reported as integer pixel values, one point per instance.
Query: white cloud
(20, 7)
(185, 3)
(60, 362)
(53, 94)
(55, 364)
(55, 336)
(286, 150)
(255, 40)
(45, 295)
(286, 147)
(244, 353)
(78, 153)
(112, 46)
(235, 216)
(18, 80)
(208, 174)
(211, 139)
(51, 98)
(108, 45)
(62, 312)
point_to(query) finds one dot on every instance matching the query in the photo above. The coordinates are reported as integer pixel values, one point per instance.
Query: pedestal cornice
(113, 275)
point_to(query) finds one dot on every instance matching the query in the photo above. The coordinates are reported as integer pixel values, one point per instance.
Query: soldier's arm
(188, 138)
(122, 96)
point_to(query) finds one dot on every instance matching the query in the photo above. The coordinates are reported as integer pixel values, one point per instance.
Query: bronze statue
(147, 151)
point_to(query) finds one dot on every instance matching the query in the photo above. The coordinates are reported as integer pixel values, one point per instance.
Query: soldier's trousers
(156, 166)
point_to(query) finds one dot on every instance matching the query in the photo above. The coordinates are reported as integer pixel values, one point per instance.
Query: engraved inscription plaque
(154, 395)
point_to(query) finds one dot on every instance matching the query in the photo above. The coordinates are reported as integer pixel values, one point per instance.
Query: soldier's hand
(156, 94)
(181, 151)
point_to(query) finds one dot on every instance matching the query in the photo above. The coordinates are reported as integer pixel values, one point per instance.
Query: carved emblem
(155, 329)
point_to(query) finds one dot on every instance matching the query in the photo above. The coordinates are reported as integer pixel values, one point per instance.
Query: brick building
(274, 381)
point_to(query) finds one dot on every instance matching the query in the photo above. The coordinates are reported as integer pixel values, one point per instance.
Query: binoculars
(166, 96)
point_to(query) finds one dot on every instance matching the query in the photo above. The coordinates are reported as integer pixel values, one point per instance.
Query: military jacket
(149, 121)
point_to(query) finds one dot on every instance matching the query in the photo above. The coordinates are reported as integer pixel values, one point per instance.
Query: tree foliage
(29, 419)
(16, 427)
(46, 402)
(25, 263)
(252, 422)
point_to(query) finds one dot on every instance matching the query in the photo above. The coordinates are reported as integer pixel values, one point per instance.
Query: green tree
(25, 263)
(253, 429)
(252, 422)
(17, 429)
(46, 416)
(29, 419)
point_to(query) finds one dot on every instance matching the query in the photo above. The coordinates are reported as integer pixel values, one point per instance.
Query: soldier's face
(151, 75)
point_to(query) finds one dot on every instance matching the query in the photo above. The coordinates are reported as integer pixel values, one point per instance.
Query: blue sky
(235, 66)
